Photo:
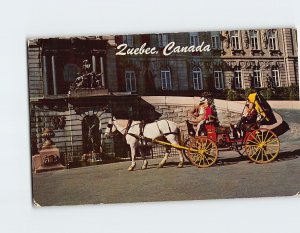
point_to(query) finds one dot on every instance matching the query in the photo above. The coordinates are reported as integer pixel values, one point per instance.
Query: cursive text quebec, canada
(169, 49)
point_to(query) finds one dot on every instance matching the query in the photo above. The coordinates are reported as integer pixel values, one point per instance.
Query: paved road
(112, 183)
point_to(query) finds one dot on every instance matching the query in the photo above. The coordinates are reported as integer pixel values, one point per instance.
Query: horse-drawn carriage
(259, 140)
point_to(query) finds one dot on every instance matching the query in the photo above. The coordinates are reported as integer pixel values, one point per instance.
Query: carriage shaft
(174, 145)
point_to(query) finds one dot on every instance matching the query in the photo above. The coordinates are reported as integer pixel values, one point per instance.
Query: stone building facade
(53, 66)
(237, 60)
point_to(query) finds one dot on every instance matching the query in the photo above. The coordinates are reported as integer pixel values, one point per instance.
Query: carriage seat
(250, 127)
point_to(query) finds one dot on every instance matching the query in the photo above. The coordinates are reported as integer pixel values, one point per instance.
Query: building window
(234, 38)
(257, 78)
(275, 77)
(272, 39)
(128, 39)
(194, 39)
(238, 80)
(130, 81)
(166, 83)
(162, 40)
(197, 79)
(219, 81)
(215, 40)
(254, 39)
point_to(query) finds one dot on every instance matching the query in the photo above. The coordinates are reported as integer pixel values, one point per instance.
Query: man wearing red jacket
(208, 111)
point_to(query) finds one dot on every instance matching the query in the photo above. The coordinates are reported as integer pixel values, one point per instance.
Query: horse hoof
(160, 166)
(144, 167)
(180, 165)
(131, 168)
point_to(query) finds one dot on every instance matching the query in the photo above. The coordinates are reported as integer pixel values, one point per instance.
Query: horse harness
(142, 127)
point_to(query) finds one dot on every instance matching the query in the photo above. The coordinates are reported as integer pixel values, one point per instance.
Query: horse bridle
(110, 125)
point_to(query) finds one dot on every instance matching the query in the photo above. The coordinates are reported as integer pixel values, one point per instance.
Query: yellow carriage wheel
(262, 146)
(202, 152)
(186, 144)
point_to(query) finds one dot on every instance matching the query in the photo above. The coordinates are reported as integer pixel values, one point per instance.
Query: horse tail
(180, 139)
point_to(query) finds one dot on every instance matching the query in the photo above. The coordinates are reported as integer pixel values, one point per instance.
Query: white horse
(151, 131)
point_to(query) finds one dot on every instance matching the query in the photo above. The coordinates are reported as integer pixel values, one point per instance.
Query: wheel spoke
(272, 154)
(267, 133)
(207, 145)
(272, 145)
(206, 160)
(273, 140)
(209, 155)
(255, 138)
(253, 142)
(251, 148)
(201, 159)
(197, 159)
(265, 153)
(258, 152)
(256, 149)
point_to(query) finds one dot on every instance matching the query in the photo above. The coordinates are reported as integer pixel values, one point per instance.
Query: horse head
(111, 129)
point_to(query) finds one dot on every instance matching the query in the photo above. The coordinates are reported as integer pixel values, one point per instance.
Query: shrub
(247, 92)
(287, 93)
(267, 93)
(232, 95)
(293, 92)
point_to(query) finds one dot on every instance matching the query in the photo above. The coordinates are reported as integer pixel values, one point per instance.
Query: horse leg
(181, 159)
(145, 162)
(173, 140)
(164, 160)
(133, 163)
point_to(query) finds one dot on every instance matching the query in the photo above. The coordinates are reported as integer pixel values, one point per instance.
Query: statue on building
(226, 40)
(246, 40)
(269, 81)
(265, 39)
(251, 80)
(87, 79)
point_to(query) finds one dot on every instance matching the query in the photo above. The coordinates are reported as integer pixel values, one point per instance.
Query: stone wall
(176, 109)
(69, 139)
(35, 80)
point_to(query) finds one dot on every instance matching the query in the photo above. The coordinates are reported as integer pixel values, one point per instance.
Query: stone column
(45, 75)
(94, 63)
(102, 72)
(54, 75)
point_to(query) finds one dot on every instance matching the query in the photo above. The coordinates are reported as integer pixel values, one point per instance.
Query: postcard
(164, 117)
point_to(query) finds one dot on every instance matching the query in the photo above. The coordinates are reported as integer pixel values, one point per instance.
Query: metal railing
(73, 154)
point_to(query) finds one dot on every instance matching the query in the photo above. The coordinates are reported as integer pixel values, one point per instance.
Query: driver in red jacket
(208, 111)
